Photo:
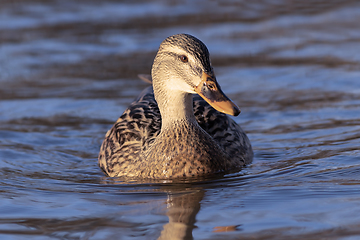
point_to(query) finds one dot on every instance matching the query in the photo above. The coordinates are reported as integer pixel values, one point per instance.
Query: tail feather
(145, 77)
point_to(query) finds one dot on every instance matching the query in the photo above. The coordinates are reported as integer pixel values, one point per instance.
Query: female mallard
(166, 133)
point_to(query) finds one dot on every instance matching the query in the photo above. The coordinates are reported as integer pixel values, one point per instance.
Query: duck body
(169, 132)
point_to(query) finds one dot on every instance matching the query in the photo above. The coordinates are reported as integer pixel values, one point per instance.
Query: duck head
(182, 66)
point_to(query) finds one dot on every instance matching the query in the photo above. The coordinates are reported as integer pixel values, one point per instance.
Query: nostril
(211, 86)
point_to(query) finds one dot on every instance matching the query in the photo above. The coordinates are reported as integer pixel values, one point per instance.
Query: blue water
(68, 69)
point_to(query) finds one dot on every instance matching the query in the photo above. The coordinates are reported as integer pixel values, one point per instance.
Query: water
(69, 68)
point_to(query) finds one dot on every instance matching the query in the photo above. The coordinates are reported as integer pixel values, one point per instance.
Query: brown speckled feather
(123, 152)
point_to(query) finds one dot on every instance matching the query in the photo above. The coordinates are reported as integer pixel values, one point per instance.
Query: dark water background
(69, 68)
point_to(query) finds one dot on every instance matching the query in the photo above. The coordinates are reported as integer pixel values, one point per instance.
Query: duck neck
(175, 106)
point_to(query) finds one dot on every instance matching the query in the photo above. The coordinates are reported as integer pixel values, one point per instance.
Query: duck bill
(211, 92)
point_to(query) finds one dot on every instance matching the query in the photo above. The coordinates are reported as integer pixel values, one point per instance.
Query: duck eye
(184, 58)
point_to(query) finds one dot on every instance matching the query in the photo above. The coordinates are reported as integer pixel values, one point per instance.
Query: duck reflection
(181, 210)
(182, 202)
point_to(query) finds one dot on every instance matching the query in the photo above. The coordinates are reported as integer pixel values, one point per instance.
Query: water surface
(68, 69)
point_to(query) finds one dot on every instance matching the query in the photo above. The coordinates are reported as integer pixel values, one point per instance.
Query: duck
(179, 126)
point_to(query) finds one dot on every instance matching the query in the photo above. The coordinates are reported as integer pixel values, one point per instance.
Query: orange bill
(211, 92)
